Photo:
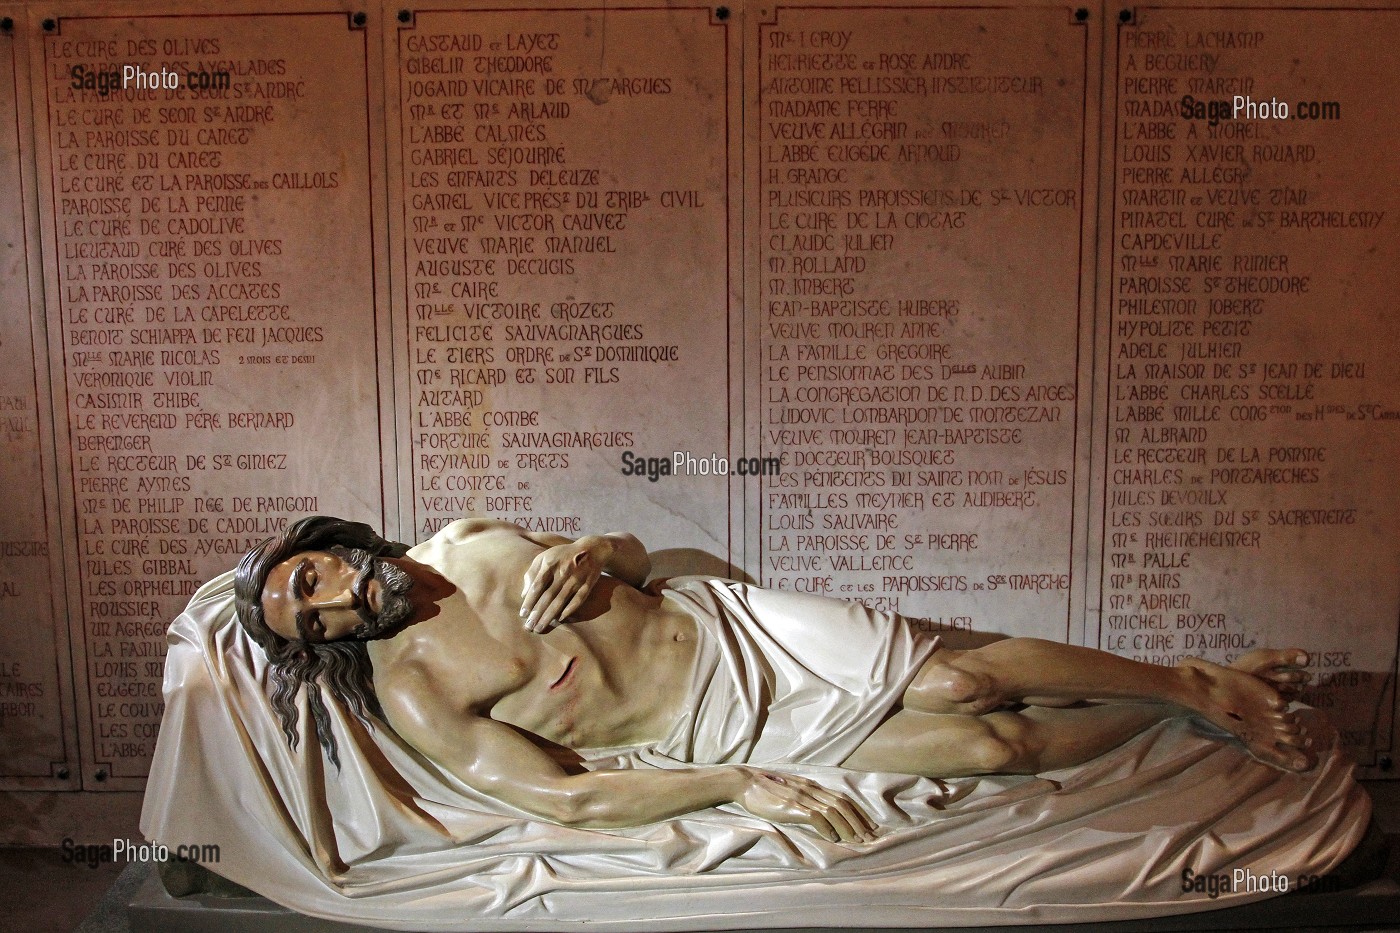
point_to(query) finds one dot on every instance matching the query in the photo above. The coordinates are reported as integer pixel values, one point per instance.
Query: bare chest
(616, 675)
(614, 679)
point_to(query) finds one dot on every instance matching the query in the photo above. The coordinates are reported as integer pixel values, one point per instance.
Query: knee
(1006, 746)
(943, 686)
(992, 754)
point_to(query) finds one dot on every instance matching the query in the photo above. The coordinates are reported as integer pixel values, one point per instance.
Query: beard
(395, 584)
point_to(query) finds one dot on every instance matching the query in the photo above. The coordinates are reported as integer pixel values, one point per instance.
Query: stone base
(155, 910)
(1374, 905)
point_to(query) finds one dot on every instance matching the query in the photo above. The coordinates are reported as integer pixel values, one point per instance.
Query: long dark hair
(344, 665)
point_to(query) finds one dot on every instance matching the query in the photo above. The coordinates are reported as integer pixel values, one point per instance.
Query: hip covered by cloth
(785, 677)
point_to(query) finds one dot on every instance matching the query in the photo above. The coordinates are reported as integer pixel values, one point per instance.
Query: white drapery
(394, 841)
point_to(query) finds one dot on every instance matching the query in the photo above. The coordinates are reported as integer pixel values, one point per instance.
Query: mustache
(394, 583)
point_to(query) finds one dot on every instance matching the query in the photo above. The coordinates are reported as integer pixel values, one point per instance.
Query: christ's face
(320, 596)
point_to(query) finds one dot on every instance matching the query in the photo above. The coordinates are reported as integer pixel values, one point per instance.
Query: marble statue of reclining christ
(529, 674)
(490, 646)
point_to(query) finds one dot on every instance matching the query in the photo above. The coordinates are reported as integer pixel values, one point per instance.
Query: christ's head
(310, 598)
(323, 596)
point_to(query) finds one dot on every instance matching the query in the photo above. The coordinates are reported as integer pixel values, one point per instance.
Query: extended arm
(495, 759)
(562, 576)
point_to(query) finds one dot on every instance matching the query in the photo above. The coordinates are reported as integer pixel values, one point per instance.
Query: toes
(1271, 663)
(1278, 757)
(1290, 749)
(1286, 756)
(1248, 662)
(1260, 659)
(1290, 684)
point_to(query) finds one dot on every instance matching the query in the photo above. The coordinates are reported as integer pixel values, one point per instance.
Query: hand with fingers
(560, 579)
(787, 798)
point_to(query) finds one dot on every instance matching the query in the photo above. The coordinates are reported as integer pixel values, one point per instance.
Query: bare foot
(1281, 668)
(1249, 708)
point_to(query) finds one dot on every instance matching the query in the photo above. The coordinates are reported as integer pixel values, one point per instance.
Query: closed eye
(308, 622)
(304, 578)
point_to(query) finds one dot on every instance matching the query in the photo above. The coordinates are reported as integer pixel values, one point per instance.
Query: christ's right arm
(494, 759)
(565, 572)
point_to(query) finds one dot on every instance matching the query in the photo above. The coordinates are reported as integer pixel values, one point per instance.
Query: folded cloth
(393, 840)
(783, 677)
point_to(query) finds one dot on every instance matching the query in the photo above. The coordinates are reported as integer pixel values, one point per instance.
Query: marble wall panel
(213, 300)
(1036, 349)
(1253, 389)
(562, 189)
(921, 202)
(38, 744)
